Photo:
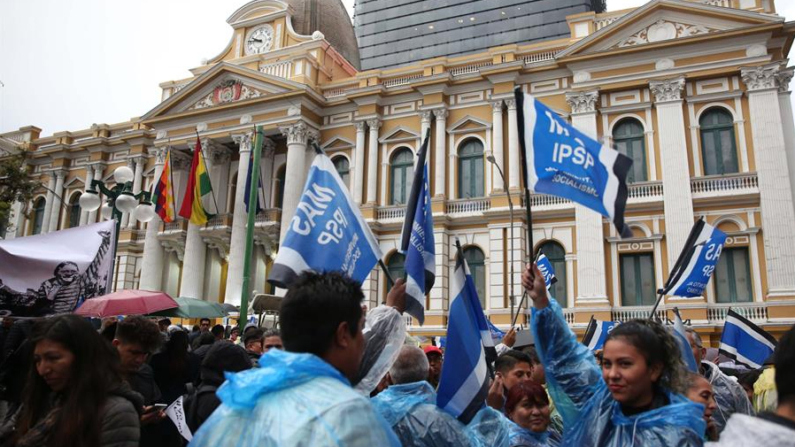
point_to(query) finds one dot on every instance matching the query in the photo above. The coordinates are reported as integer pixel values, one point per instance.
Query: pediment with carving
(228, 91)
(662, 30)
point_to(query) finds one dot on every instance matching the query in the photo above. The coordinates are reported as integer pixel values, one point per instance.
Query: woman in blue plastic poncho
(527, 406)
(634, 401)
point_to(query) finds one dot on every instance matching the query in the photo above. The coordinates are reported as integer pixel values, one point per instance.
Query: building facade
(695, 92)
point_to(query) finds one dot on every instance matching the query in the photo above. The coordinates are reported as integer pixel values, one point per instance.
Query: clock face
(259, 40)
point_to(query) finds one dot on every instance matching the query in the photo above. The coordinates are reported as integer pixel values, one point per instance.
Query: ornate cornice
(784, 78)
(763, 77)
(425, 116)
(582, 102)
(441, 114)
(374, 124)
(180, 161)
(360, 126)
(510, 104)
(668, 90)
(496, 106)
(243, 141)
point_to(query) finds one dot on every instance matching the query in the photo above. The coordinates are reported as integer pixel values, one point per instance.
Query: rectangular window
(733, 277)
(638, 287)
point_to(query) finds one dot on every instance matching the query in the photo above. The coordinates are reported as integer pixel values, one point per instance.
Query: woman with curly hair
(636, 397)
(75, 395)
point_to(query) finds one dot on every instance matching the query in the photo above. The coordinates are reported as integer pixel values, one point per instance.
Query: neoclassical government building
(696, 92)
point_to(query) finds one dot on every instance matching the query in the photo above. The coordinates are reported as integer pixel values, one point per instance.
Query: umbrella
(193, 308)
(126, 302)
(230, 308)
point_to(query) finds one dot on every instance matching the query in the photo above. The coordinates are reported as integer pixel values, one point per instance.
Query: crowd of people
(337, 374)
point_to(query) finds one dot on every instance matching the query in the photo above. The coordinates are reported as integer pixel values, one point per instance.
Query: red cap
(434, 349)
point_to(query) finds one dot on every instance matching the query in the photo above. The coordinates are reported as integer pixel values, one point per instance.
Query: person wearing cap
(434, 355)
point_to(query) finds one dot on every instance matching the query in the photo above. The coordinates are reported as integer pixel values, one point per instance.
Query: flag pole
(252, 214)
(212, 190)
(528, 204)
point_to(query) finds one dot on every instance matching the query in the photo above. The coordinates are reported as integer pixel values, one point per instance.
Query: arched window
(343, 167)
(476, 261)
(396, 268)
(630, 140)
(637, 279)
(401, 174)
(74, 211)
(557, 257)
(280, 178)
(718, 144)
(38, 215)
(733, 276)
(470, 169)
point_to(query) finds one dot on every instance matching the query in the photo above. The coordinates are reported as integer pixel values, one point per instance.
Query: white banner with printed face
(53, 273)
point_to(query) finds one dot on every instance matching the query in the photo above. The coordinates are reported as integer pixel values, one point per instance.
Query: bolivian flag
(198, 199)
(164, 193)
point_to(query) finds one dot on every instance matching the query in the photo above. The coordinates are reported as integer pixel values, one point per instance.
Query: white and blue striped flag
(417, 241)
(545, 267)
(562, 161)
(469, 351)
(596, 333)
(327, 232)
(695, 265)
(684, 346)
(745, 342)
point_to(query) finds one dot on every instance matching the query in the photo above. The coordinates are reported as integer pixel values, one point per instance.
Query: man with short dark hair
(302, 396)
(252, 341)
(204, 326)
(136, 339)
(729, 395)
(218, 332)
(775, 428)
(409, 404)
(511, 368)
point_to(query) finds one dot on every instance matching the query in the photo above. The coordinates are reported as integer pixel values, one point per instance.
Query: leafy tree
(15, 185)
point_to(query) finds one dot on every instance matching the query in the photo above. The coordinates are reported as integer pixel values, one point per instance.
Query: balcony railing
(471, 68)
(394, 82)
(392, 212)
(723, 3)
(179, 224)
(269, 215)
(340, 91)
(646, 191)
(221, 220)
(716, 313)
(468, 206)
(639, 312)
(568, 314)
(539, 200)
(605, 21)
(539, 57)
(280, 69)
(725, 184)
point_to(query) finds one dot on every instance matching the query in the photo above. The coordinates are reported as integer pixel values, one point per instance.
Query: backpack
(190, 405)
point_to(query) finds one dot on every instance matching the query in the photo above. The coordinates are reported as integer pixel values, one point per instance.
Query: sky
(65, 65)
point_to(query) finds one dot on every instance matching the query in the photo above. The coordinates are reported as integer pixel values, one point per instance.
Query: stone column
(514, 158)
(784, 94)
(152, 263)
(496, 146)
(776, 197)
(425, 123)
(99, 169)
(298, 136)
(192, 284)
(89, 178)
(372, 161)
(55, 211)
(139, 163)
(218, 157)
(441, 139)
(592, 287)
(45, 223)
(675, 169)
(359, 162)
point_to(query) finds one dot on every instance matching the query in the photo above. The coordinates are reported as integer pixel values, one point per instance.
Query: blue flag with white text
(545, 267)
(496, 334)
(697, 262)
(562, 161)
(417, 241)
(469, 350)
(327, 232)
(680, 334)
(596, 333)
(745, 342)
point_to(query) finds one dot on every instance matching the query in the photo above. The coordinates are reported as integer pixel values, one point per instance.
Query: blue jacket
(591, 417)
(293, 399)
(522, 437)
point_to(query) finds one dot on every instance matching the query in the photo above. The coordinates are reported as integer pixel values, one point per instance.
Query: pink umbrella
(126, 302)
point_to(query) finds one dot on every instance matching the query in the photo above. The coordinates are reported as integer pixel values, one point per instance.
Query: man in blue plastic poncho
(302, 396)
(409, 405)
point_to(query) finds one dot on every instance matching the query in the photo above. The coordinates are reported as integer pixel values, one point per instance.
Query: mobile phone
(160, 406)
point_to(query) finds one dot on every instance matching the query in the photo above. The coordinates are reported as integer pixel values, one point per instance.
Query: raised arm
(572, 374)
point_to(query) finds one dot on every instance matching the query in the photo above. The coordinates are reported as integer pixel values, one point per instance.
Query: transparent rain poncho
(729, 395)
(292, 400)
(384, 335)
(521, 437)
(591, 417)
(412, 412)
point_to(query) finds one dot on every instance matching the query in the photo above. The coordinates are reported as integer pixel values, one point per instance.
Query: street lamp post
(492, 160)
(120, 200)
